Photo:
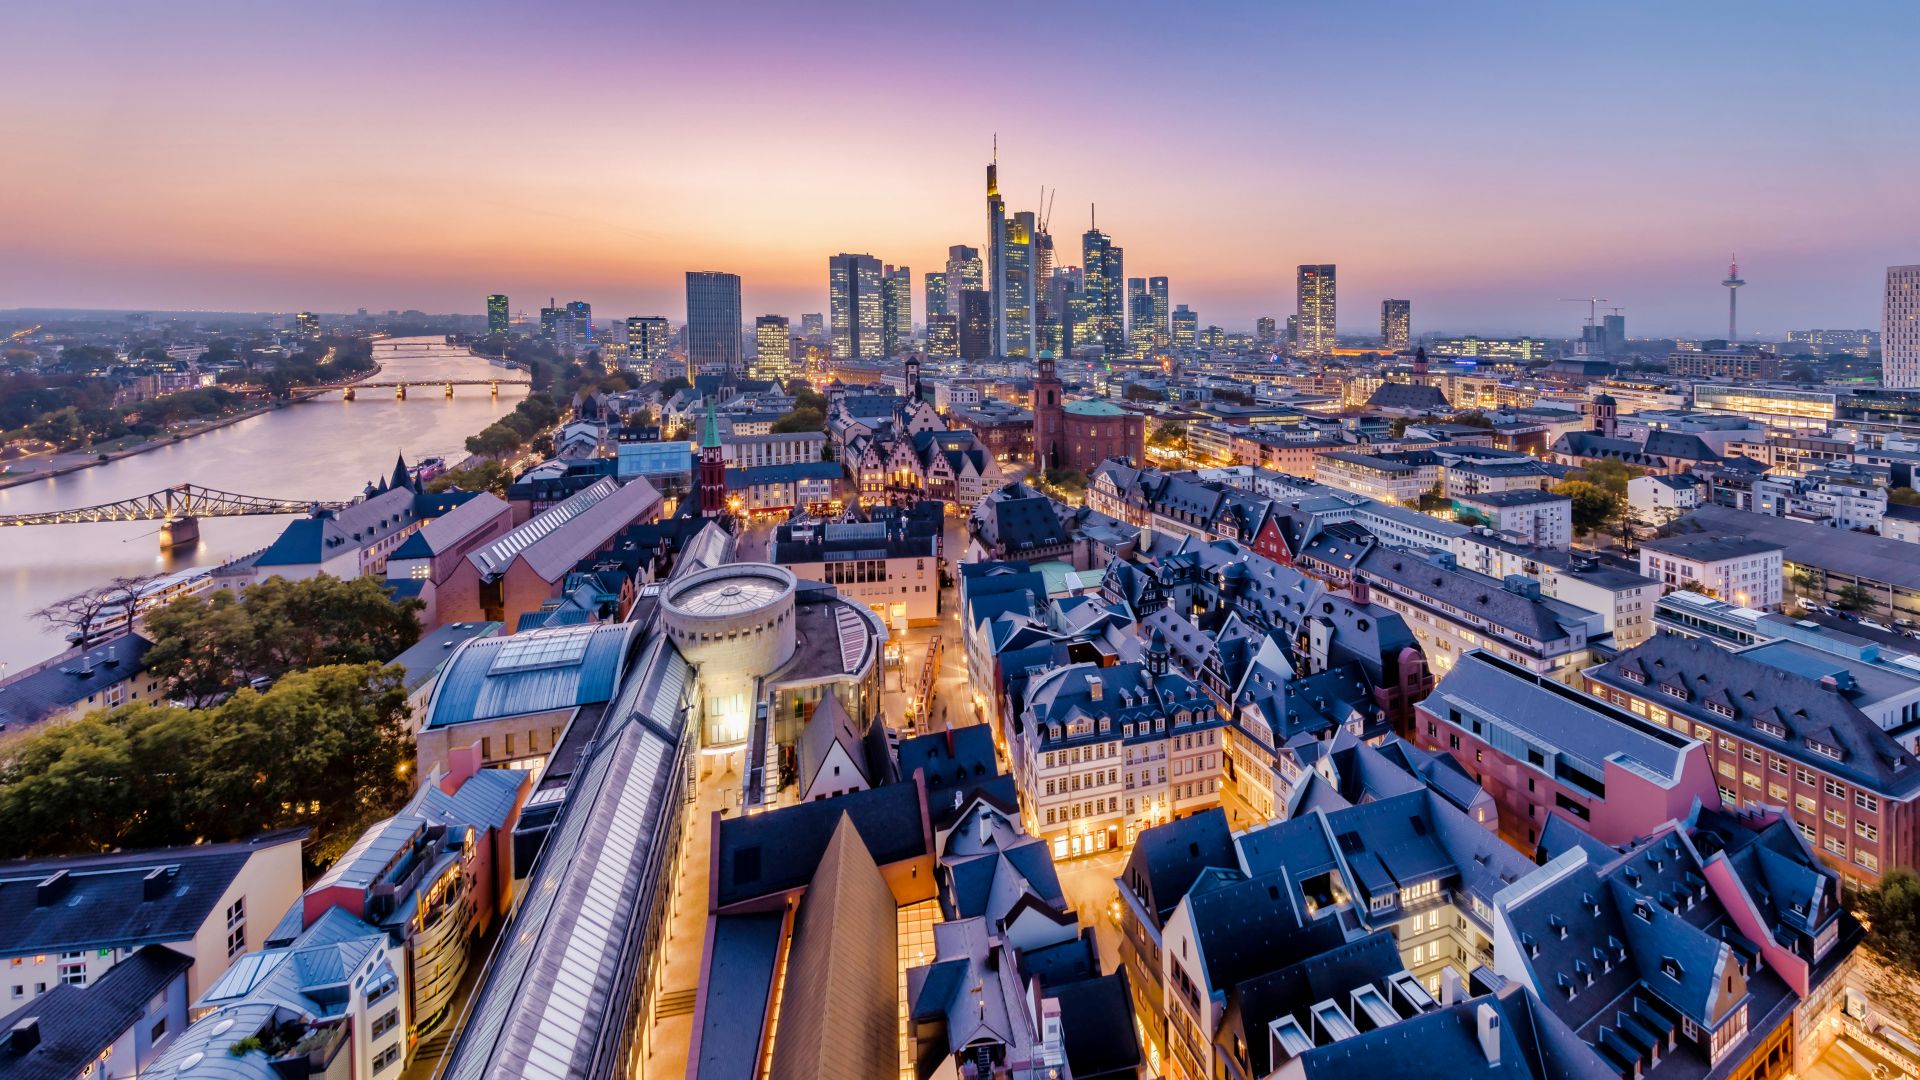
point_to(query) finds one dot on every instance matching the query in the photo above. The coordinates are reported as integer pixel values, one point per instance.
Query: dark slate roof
(1675, 444)
(101, 901)
(1843, 551)
(1513, 497)
(740, 479)
(1709, 548)
(328, 532)
(1396, 395)
(738, 987)
(1247, 927)
(1772, 706)
(1096, 1020)
(1543, 619)
(769, 853)
(1534, 1045)
(1295, 989)
(1022, 524)
(77, 1025)
(57, 685)
(954, 758)
(1166, 859)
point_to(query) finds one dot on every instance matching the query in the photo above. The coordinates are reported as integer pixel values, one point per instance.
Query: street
(1087, 884)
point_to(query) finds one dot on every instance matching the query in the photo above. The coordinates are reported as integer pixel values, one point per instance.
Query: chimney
(1362, 593)
(1093, 687)
(1487, 1019)
(156, 883)
(52, 888)
(24, 1036)
(462, 763)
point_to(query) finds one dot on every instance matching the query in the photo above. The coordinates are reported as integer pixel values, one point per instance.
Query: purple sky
(1484, 161)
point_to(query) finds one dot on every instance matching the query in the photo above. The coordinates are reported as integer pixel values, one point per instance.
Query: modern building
(1738, 569)
(1314, 296)
(1900, 328)
(1106, 302)
(773, 348)
(1396, 325)
(498, 317)
(1140, 325)
(936, 294)
(1531, 516)
(885, 564)
(896, 309)
(1162, 311)
(965, 270)
(1184, 329)
(580, 322)
(649, 343)
(1453, 612)
(854, 307)
(975, 324)
(713, 324)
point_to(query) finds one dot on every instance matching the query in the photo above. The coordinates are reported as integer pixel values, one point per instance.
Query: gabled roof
(764, 854)
(445, 532)
(78, 1025)
(829, 726)
(58, 684)
(1167, 859)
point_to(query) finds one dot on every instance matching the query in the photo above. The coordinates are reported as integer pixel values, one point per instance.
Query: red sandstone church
(1080, 434)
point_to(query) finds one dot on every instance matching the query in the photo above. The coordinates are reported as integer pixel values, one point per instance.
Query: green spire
(712, 437)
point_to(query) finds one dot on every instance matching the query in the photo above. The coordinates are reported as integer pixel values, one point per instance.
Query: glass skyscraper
(964, 271)
(936, 294)
(713, 324)
(854, 307)
(1186, 327)
(1162, 328)
(975, 324)
(1140, 325)
(773, 348)
(498, 318)
(1105, 269)
(896, 310)
(1315, 298)
(580, 324)
(1396, 324)
(649, 339)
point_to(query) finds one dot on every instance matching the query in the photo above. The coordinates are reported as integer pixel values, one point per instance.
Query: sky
(1484, 160)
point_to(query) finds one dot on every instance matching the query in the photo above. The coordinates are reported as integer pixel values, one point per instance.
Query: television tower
(1733, 284)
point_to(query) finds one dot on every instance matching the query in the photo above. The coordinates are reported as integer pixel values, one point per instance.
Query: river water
(325, 449)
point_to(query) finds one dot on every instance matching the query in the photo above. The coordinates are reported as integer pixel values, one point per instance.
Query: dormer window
(1720, 709)
(1634, 676)
(1673, 691)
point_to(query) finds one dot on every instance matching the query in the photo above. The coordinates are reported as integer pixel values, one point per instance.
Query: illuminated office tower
(1900, 328)
(713, 324)
(936, 294)
(943, 334)
(975, 324)
(649, 340)
(773, 348)
(1046, 318)
(1063, 290)
(854, 307)
(306, 324)
(498, 318)
(1613, 332)
(1396, 325)
(1316, 308)
(964, 271)
(1292, 340)
(896, 310)
(580, 324)
(1140, 325)
(1263, 330)
(1017, 293)
(1162, 314)
(1105, 269)
(551, 318)
(996, 253)
(1186, 327)
(814, 327)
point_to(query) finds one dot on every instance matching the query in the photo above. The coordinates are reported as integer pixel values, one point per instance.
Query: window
(236, 941)
(1837, 845)
(1869, 803)
(386, 1023)
(1867, 859)
(1866, 829)
(237, 911)
(387, 1058)
(1836, 789)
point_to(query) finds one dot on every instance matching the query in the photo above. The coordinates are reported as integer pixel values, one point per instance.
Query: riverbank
(86, 459)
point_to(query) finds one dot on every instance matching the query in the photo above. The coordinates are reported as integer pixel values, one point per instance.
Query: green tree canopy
(1593, 505)
(486, 476)
(801, 419)
(1855, 597)
(1893, 913)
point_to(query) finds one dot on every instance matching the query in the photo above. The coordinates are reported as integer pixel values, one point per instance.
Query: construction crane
(1593, 305)
(1046, 206)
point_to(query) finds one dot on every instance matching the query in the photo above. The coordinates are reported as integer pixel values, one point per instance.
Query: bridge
(178, 509)
(399, 386)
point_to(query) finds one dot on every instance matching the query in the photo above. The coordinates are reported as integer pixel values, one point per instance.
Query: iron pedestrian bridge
(399, 386)
(177, 508)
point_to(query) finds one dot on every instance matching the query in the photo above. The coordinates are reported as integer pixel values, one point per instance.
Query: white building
(1659, 498)
(1738, 570)
(1376, 477)
(784, 448)
(1900, 328)
(1534, 516)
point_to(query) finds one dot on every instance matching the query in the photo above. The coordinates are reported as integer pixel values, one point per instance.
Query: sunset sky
(1483, 160)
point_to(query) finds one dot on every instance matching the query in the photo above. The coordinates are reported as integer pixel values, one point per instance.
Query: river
(324, 449)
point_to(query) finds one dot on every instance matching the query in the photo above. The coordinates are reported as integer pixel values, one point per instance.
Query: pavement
(1847, 1060)
(1087, 883)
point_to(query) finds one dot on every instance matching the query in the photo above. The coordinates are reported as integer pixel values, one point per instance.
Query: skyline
(219, 158)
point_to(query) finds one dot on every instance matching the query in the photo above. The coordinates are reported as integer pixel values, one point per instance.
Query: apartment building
(1740, 570)
(1453, 612)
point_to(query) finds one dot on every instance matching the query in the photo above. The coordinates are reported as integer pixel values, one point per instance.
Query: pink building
(1540, 748)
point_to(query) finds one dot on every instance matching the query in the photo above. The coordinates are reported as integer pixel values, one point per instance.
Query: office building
(1162, 312)
(854, 307)
(1741, 570)
(814, 327)
(1186, 327)
(580, 324)
(943, 334)
(975, 324)
(1019, 289)
(773, 348)
(1264, 330)
(713, 323)
(1105, 270)
(306, 324)
(936, 294)
(964, 271)
(1860, 343)
(1139, 317)
(1613, 334)
(550, 317)
(649, 339)
(497, 315)
(1315, 305)
(896, 310)
(1396, 324)
(1900, 328)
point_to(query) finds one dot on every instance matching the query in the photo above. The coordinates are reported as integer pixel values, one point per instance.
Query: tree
(1473, 418)
(493, 441)
(1892, 909)
(1593, 505)
(1855, 597)
(1693, 587)
(1137, 392)
(801, 419)
(1169, 435)
(85, 611)
(486, 476)
(674, 385)
(1903, 496)
(1611, 475)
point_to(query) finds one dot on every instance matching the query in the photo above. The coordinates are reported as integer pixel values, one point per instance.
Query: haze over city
(1485, 163)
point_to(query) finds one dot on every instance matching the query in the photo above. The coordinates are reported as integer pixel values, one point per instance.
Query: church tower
(713, 470)
(1046, 414)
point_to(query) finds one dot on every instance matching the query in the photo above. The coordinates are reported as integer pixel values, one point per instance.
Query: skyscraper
(814, 327)
(1316, 307)
(1613, 329)
(1396, 324)
(936, 294)
(943, 334)
(964, 271)
(1105, 269)
(713, 324)
(1186, 328)
(649, 339)
(975, 324)
(1140, 324)
(551, 318)
(498, 318)
(996, 253)
(1263, 330)
(854, 307)
(896, 310)
(580, 324)
(1900, 328)
(1162, 326)
(773, 348)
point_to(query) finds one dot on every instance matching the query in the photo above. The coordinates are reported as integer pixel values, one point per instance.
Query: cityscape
(1302, 607)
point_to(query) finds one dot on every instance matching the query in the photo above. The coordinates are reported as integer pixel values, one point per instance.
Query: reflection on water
(326, 449)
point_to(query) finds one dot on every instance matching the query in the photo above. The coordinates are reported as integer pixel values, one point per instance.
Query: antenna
(1093, 217)
(996, 148)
